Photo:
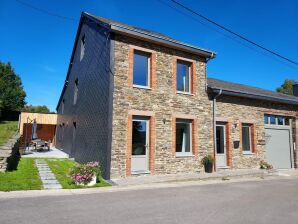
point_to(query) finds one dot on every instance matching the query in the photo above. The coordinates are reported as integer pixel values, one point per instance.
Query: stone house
(140, 102)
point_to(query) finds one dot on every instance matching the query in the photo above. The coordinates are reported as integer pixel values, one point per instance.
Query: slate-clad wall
(238, 110)
(92, 110)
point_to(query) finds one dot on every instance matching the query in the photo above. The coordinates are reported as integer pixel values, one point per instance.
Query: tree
(12, 94)
(36, 109)
(286, 87)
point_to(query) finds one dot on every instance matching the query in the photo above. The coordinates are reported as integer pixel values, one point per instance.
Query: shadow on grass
(13, 162)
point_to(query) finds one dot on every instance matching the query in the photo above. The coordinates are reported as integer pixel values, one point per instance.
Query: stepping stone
(50, 182)
(46, 172)
(43, 168)
(52, 186)
(47, 177)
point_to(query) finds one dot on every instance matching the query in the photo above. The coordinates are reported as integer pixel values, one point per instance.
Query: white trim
(189, 78)
(142, 87)
(147, 146)
(183, 153)
(225, 147)
(148, 85)
(247, 152)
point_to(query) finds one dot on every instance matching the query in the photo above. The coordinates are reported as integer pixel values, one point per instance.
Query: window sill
(185, 93)
(248, 153)
(142, 87)
(184, 155)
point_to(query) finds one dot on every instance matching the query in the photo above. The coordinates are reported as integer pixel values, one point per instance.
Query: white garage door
(278, 148)
(278, 143)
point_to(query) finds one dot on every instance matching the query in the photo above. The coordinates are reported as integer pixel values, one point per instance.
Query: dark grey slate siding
(91, 113)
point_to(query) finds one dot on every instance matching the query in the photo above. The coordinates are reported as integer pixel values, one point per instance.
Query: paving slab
(50, 182)
(52, 186)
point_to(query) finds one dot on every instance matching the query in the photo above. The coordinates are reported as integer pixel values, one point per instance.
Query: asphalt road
(274, 201)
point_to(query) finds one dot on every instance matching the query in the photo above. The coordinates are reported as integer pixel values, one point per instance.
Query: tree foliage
(286, 87)
(12, 94)
(36, 109)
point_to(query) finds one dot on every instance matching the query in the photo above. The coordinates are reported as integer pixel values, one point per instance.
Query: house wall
(236, 110)
(91, 139)
(162, 104)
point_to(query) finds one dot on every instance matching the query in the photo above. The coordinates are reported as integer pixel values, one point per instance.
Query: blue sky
(39, 46)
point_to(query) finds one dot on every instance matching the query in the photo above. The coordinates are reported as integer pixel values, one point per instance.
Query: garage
(278, 141)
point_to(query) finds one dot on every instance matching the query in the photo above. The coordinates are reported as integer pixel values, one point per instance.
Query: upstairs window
(141, 69)
(246, 138)
(183, 77)
(76, 90)
(83, 42)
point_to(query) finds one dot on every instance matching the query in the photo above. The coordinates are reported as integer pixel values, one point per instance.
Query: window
(62, 106)
(272, 120)
(276, 120)
(246, 138)
(141, 69)
(140, 137)
(75, 94)
(266, 119)
(61, 132)
(183, 137)
(183, 77)
(74, 132)
(82, 53)
(280, 120)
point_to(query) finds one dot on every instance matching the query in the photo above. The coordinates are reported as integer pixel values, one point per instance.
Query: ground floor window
(247, 138)
(183, 137)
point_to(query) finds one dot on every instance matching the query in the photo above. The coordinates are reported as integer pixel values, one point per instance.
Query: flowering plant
(265, 165)
(84, 173)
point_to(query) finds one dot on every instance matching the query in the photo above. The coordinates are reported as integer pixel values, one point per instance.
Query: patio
(52, 153)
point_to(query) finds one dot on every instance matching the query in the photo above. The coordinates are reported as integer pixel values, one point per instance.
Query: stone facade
(236, 110)
(164, 103)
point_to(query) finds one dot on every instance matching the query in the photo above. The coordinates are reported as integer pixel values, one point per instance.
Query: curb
(161, 185)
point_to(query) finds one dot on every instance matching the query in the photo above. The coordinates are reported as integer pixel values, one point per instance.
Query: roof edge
(252, 95)
(139, 34)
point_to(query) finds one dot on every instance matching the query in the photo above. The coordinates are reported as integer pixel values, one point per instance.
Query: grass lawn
(61, 169)
(7, 130)
(24, 178)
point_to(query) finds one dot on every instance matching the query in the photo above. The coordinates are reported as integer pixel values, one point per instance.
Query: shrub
(265, 165)
(83, 173)
(207, 159)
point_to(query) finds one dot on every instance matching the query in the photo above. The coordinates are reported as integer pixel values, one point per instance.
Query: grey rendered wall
(91, 141)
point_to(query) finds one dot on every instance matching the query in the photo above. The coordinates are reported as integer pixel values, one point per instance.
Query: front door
(140, 146)
(221, 157)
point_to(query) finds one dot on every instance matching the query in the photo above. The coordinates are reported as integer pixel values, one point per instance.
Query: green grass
(7, 130)
(24, 178)
(61, 169)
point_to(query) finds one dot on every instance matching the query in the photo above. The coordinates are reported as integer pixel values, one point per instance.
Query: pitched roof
(236, 89)
(145, 34)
